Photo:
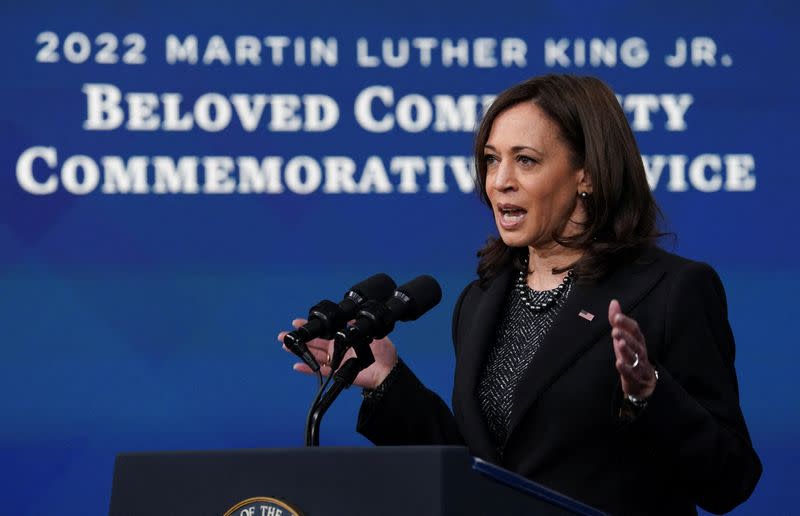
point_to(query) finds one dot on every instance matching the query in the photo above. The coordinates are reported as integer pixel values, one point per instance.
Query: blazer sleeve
(408, 413)
(693, 420)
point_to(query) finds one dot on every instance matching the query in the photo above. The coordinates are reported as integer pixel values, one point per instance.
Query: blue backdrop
(139, 310)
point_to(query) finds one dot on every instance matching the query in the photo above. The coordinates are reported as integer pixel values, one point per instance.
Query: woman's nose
(504, 178)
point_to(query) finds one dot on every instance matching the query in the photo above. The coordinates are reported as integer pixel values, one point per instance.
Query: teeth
(513, 216)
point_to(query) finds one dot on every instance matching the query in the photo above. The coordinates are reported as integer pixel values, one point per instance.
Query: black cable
(320, 391)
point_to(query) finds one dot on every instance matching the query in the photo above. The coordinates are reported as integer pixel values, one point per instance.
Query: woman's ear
(584, 181)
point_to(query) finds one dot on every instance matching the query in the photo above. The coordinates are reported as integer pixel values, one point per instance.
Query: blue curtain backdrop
(137, 315)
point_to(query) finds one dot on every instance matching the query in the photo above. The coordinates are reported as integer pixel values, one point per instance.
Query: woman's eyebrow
(516, 148)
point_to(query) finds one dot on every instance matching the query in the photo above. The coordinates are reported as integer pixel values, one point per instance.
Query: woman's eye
(489, 159)
(526, 160)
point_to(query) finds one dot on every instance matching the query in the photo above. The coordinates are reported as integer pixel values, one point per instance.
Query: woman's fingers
(321, 344)
(626, 328)
(624, 347)
(322, 349)
(613, 310)
(628, 324)
(632, 342)
(319, 349)
(300, 367)
(632, 363)
(617, 319)
(321, 356)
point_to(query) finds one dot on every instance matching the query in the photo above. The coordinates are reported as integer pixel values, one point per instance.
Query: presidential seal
(262, 506)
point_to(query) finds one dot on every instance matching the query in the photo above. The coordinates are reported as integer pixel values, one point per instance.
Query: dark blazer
(689, 446)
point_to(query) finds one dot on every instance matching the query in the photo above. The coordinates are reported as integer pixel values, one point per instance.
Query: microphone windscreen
(420, 295)
(377, 287)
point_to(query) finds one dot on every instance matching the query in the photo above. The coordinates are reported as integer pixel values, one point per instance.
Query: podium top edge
(299, 449)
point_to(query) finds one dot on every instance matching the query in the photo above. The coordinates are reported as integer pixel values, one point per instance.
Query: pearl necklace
(548, 296)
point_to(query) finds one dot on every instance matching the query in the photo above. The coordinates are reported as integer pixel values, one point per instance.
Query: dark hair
(621, 211)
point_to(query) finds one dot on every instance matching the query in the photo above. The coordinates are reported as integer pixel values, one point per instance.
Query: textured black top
(518, 337)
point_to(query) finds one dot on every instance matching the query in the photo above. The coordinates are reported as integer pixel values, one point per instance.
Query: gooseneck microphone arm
(342, 379)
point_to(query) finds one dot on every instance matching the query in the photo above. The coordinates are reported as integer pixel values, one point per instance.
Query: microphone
(326, 317)
(375, 320)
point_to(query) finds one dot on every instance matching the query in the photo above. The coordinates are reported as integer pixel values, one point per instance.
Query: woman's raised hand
(635, 370)
(383, 349)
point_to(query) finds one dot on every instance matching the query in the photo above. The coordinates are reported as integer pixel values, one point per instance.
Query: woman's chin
(513, 238)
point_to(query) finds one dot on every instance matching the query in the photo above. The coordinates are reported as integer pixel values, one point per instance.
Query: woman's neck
(542, 261)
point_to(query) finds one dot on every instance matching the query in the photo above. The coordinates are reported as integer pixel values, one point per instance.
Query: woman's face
(530, 179)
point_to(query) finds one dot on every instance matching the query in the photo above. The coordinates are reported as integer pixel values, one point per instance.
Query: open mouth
(511, 215)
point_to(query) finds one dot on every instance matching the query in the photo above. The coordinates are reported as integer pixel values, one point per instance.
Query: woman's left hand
(635, 370)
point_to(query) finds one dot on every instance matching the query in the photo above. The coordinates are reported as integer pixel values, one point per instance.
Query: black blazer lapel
(572, 334)
(472, 351)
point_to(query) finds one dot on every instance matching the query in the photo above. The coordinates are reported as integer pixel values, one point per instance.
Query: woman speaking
(587, 359)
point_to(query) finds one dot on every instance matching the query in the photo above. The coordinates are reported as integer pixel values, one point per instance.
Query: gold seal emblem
(262, 506)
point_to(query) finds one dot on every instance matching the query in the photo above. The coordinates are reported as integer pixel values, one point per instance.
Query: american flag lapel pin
(586, 315)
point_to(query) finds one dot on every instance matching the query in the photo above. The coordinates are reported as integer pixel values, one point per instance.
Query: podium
(387, 481)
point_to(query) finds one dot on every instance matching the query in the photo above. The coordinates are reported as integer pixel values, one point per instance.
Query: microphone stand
(342, 379)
